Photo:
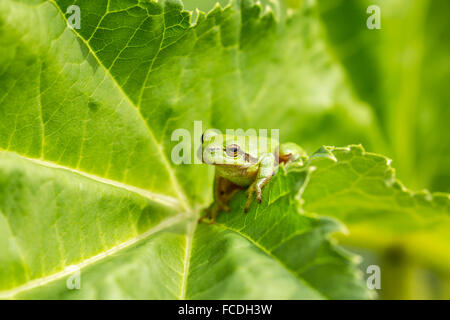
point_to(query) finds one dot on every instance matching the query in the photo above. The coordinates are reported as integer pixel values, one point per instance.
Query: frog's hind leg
(224, 190)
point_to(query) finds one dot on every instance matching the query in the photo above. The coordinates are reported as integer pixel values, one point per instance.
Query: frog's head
(225, 150)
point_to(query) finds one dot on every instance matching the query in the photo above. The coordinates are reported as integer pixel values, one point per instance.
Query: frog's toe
(259, 194)
(259, 198)
(207, 219)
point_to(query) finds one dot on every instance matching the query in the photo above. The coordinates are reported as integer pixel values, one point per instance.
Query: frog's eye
(232, 150)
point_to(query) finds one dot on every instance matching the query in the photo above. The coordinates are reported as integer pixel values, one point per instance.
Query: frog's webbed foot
(213, 211)
(211, 214)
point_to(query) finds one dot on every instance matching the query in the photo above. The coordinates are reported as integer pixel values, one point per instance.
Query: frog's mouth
(209, 151)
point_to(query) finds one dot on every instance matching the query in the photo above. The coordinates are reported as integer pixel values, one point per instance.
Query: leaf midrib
(152, 196)
(180, 202)
(179, 190)
(37, 282)
(187, 258)
(162, 199)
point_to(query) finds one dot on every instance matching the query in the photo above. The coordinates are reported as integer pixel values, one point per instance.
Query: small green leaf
(360, 189)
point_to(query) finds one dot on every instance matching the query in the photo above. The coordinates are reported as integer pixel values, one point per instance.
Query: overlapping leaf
(361, 190)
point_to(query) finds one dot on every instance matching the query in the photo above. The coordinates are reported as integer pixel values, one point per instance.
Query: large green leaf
(86, 177)
(271, 252)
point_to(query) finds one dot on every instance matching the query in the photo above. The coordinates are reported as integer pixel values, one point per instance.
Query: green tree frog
(244, 161)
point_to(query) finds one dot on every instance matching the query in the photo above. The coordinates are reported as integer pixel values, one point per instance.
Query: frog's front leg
(267, 165)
